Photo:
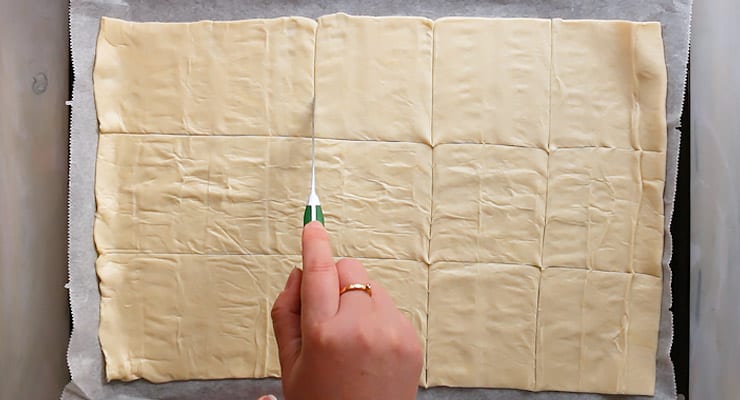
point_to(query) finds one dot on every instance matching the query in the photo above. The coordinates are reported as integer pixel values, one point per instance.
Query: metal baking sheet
(85, 358)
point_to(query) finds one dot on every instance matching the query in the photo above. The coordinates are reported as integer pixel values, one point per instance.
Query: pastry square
(174, 317)
(406, 282)
(374, 78)
(597, 331)
(377, 197)
(605, 210)
(251, 77)
(608, 85)
(482, 323)
(489, 203)
(491, 81)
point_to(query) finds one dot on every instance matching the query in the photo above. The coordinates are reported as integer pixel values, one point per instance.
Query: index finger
(320, 284)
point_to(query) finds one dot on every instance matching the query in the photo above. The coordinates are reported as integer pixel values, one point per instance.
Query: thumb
(286, 321)
(268, 397)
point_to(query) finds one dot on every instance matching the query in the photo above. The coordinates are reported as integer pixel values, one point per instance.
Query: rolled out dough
(230, 78)
(501, 178)
(374, 78)
(608, 85)
(596, 331)
(489, 203)
(497, 302)
(605, 210)
(492, 81)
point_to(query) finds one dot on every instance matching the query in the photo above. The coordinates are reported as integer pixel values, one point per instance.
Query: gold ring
(365, 287)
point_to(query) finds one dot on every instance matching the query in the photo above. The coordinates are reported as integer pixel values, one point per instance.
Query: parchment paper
(84, 355)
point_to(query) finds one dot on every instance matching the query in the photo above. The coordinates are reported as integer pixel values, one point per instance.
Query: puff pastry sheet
(502, 178)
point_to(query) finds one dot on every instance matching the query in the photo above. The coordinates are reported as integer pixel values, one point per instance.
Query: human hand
(356, 346)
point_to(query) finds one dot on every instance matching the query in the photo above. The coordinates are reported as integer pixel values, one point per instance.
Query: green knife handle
(307, 215)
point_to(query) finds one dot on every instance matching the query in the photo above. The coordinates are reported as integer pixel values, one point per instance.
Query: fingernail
(313, 225)
(268, 397)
